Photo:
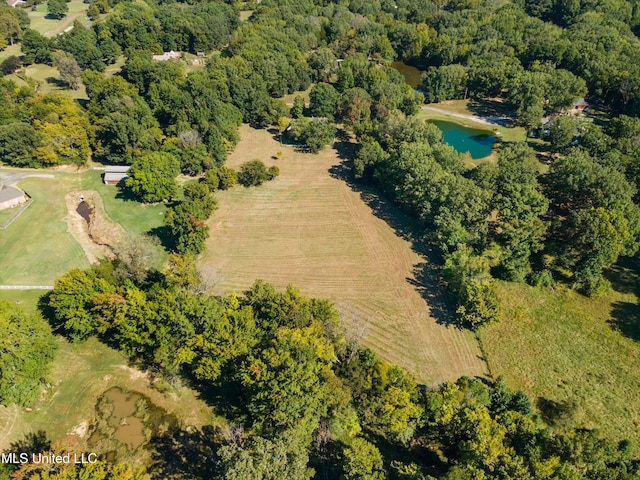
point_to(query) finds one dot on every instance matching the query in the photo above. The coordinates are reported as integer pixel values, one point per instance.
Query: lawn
(135, 217)
(36, 248)
(9, 51)
(573, 354)
(82, 372)
(47, 78)
(44, 25)
(309, 228)
(27, 299)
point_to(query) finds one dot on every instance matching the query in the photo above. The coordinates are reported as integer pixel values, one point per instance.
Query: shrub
(10, 65)
(253, 173)
(227, 177)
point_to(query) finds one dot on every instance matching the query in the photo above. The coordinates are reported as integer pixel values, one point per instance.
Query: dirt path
(310, 229)
(502, 121)
(67, 21)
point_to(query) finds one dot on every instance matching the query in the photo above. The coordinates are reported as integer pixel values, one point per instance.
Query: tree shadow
(426, 278)
(163, 233)
(427, 281)
(557, 414)
(625, 316)
(181, 454)
(125, 193)
(57, 82)
(626, 319)
(489, 108)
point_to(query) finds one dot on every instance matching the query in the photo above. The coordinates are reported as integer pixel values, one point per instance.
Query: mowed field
(37, 247)
(309, 229)
(576, 357)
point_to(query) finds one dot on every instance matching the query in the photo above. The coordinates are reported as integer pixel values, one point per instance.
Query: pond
(478, 143)
(126, 421)
(411, 74)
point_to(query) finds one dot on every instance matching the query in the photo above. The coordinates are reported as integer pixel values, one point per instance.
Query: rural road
(10, 178)
(26, 287)
(502, 121)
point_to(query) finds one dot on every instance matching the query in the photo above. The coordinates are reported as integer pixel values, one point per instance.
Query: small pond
(127, 420)
(478, 143)
(411, 74)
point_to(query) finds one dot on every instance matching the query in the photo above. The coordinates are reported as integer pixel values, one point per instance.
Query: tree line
(300, 398)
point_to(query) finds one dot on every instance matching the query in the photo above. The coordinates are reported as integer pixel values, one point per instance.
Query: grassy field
(572, 354)
(37, 248)
(9, 51)
(83, 371)
(27, 299)
(44, 25)
(135, 217)
(48, 80)
(312, 230)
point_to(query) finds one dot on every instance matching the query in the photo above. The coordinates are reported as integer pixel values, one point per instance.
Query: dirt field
(310, 229)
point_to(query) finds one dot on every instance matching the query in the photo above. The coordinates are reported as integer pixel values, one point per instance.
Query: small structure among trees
(115, 174)
(171, 55)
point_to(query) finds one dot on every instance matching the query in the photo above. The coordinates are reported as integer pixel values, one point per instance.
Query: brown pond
(85, 210)
(128, 428)
(129, 419)
(411, 74)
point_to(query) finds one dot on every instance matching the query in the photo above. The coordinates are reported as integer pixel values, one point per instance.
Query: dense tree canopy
(26, 351)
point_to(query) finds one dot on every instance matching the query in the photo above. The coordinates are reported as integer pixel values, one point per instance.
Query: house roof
(13, 3)
(117, 168)
(10, 193)
(581, 103)
(114, 177)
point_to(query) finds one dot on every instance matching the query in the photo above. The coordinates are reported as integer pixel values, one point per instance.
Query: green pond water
(411, 74)
(478, 143)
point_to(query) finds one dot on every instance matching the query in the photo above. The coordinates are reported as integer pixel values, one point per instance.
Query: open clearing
(82, 372)
(310, 229)
(572, 352)
(50, 26)
(37, 247)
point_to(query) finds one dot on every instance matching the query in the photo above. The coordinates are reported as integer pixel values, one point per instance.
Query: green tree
(562, 132)
(72, 300)
(10, 65)
(468, 277)
(66, 64)
(26, 351)
(297, 108)
(253, 173)
(264, 459)
(9, 27)
(63, 127)
(362, 461)
(153, 177)
(315, 134)
(18, 143)
(595, 240)
(323, 100)
(57, 8)
(227, 177)
(187, 227)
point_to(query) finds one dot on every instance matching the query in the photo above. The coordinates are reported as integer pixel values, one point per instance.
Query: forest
(311, 404)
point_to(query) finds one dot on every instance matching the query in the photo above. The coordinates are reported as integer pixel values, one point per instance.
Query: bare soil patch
(310, 229)
(99, 233)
